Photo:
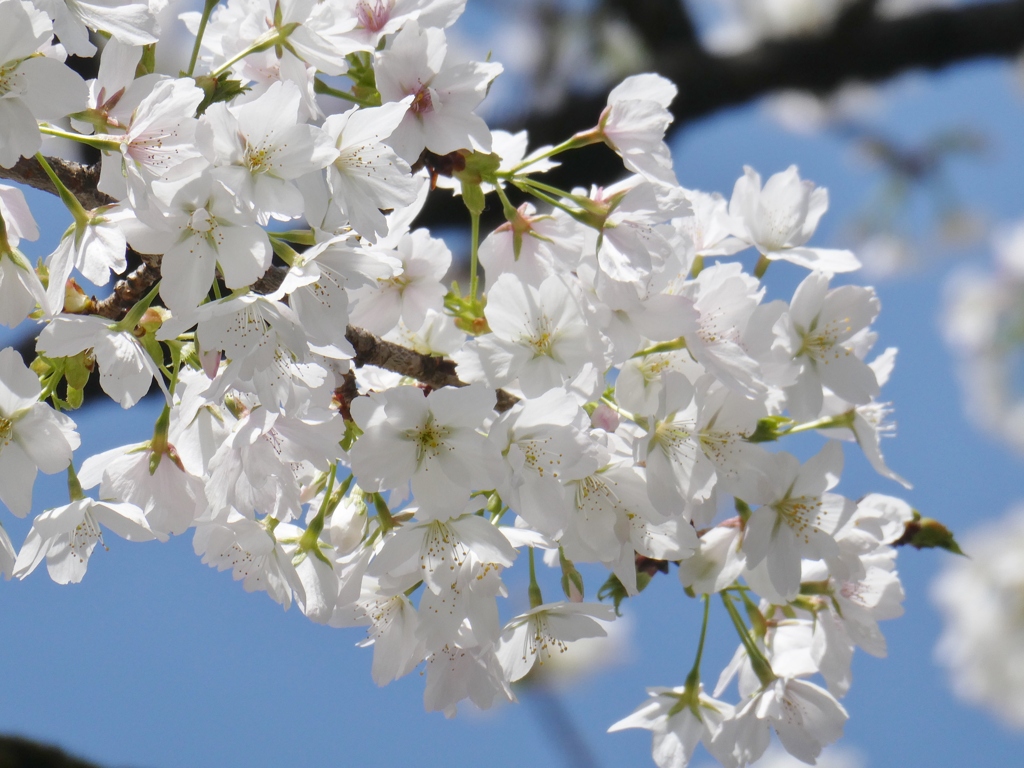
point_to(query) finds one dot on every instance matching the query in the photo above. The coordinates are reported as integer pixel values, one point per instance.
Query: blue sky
(156, 660)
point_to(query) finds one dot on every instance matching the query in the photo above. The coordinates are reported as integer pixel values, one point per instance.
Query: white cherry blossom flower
(799, 518)
(408, 295)
(126, 369)
(253, 552)
(440, 117)
(676, 730)
(129, 22)
(539, 335)
(542, 632)
(805, 716)
(823, 332)
(66, 536)
(33, 436)
(431, 442)
(259, 148)
(367, 175)
(31, 87)
(159, 127)
(199, 229)
(634, 125)
(779, 219)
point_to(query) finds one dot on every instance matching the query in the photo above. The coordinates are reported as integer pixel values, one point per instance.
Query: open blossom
(540, 336)
(258, 148)
(798, 518)
(779, 219)
(31, 87)
(430, 442)
(440, 117)
(805, 716)
(33, 436)
(367, 176)
(410, 293)
(539, 634)
(676, 728)
(634, 125)
(66, 537)
(824, 331)
(159, 135)
(126, 369)
(200, 229)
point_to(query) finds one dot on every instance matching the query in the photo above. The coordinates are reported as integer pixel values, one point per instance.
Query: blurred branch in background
(19, 752)
(859, 45)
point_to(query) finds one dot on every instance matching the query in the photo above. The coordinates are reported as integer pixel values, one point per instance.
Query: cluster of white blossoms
(342, 430)
(983, 598)
(984, 327)
(983, 602)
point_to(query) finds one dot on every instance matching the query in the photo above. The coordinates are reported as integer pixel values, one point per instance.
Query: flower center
(421, 102)
(429, 439)
(803, 514)
(201, 221)
(6, 432)
(374, 18)
(257, 159)
(821, 343)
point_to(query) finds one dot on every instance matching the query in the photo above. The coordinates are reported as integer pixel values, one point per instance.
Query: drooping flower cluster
(342, 430)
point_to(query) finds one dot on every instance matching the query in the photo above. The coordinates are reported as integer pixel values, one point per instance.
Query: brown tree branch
(436, 372)
(80, 179)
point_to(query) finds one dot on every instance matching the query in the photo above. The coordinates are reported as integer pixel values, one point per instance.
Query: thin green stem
(474, 249)
(579, 140)
(664, 346)
(758, 662)
(71, 202)
(312, 533)
(267, 40)
(762, 266)
(387, 522)
(691, 696)
(546, 198)
(208, 7)
(319, 86)
(535, 596)
(693, 679)
(102, 142)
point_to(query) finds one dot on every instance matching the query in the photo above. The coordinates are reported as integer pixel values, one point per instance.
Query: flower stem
(762, 266)
(758, 662)
(71, 202)
(474, 249)
(208, 7)
(535, 596)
